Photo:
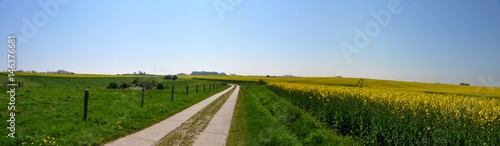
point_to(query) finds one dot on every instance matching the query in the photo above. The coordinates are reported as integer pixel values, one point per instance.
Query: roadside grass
(49, 110)
(263, 118)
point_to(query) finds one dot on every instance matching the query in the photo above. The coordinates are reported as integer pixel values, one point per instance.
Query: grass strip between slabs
(188, 132)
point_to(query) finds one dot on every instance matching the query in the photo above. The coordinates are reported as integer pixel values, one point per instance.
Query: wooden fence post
(196, 88)
(187, 89)
(142, 97)
(203, 88)
(172, 93)
(85, 104)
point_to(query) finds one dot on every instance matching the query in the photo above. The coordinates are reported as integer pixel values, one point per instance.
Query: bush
(159, 86)
(261, 82)
(167, 77)
(148, 85)
(136, 81)
(170, 77)
(112, 85)
(124, 85)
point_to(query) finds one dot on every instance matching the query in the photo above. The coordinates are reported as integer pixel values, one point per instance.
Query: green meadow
(49, 108)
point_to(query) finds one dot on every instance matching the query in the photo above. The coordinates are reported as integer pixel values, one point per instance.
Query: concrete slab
(151, 135)
(218, 129)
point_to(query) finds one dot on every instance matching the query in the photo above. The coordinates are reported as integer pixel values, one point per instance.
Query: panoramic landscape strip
(250, 73)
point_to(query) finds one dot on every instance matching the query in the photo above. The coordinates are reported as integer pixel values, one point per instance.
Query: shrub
(112, 85)
(159, 86)
(261, 82)
(167, 77)
(136, 81)
(170, 77)
(124, 85)
(148, 85)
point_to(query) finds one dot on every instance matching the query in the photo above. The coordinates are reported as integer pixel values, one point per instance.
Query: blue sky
(449, 41)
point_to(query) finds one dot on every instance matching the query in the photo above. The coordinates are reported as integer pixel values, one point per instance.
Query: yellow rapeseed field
(431, 118)
(386, 112)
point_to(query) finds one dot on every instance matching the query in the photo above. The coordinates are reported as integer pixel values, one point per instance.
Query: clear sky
(448, 41)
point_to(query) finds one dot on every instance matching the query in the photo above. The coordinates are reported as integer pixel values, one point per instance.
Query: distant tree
(182, 74)
(268, 76)
(112, 85)
(174, 77)
(206, 73)
(167, 77)
(464, 84)
(222, 73)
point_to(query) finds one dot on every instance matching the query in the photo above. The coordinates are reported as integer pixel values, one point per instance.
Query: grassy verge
(49, 110)
(187, 133)
(263, 118)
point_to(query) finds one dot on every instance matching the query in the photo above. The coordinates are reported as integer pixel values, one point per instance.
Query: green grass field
(49, 109)
(263, 118)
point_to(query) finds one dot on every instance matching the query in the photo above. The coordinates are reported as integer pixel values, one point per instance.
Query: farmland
(49, 107)
(394, 112)
(272, 111)
(372, 83)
